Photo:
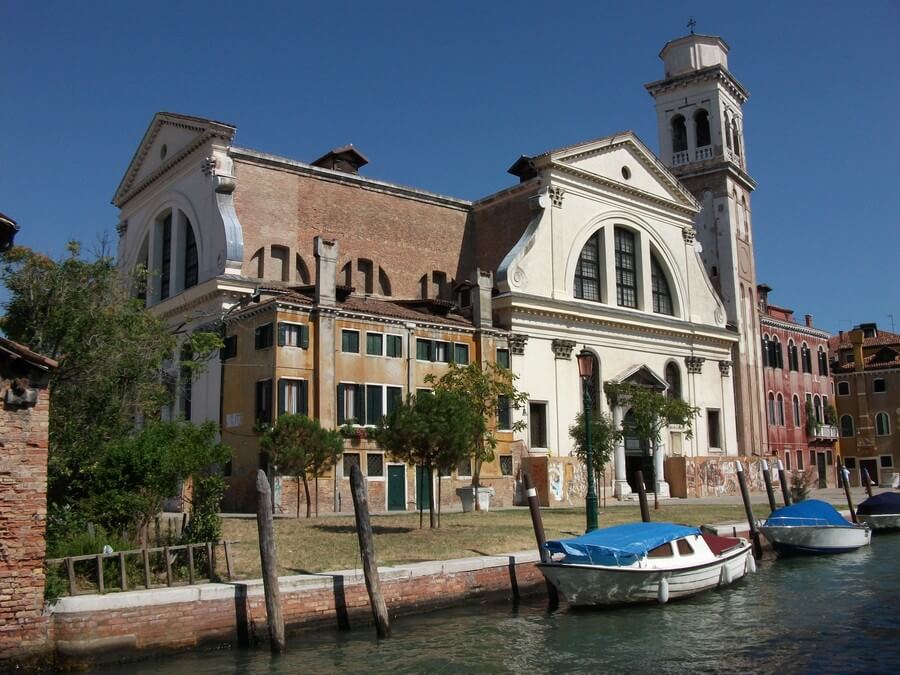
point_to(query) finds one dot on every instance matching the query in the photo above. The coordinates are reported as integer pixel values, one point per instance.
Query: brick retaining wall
(85, 629)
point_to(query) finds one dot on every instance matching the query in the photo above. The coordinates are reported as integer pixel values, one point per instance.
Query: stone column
(661, 486)
(645, 278)
(620, 487)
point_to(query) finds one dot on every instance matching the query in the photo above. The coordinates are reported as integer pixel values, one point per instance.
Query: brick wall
(88, 628)
(23, 512)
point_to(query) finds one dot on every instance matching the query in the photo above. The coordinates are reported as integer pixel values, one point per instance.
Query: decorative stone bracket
(122, 227)
(556, 195)
(694, 364)
(562, 349)
(689, 235)
(517, 343)
(20, 394)
(725, 368)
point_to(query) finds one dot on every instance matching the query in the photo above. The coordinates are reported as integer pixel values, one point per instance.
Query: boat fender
(751, 565)
(663, 593)
(725, 577)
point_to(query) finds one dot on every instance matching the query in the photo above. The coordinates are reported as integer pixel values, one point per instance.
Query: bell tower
(699, 109)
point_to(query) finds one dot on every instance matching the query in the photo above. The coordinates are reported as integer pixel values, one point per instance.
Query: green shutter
(359, 403)
(340, 404)
(282, 395)
(304, 337)
(304, 396)
(282, 330)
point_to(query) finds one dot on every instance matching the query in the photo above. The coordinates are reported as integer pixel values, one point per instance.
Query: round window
(162, 151)
(626, 172)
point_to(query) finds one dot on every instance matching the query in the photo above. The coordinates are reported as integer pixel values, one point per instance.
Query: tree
(604, 436)
(431, 430)
(653, 411)
(300, 447)
(135, 474)
(484, 386)
(112, 353)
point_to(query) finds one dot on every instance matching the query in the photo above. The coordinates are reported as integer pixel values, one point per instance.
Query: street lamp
(586, 371)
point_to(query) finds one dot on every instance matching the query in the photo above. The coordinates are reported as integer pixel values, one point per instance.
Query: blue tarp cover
(886, 503)
(807, 512)
(618, 545)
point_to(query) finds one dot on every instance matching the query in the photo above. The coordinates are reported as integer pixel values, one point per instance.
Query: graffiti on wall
(708, 477)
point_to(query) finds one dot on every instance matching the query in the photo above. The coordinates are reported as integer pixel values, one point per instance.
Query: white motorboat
(811, 527)
(644, 562)
(881, 512)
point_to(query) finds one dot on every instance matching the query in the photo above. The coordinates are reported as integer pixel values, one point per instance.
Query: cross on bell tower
(690, 24)
(699, 109)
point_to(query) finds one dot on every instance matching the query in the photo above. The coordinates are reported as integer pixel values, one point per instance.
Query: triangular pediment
(623, 162)
(641, 375)
(169, 139)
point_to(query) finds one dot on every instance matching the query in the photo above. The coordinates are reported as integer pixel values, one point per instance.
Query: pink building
(799, 392)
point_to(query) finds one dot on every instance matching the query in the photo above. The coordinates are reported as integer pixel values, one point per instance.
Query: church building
(645, 261)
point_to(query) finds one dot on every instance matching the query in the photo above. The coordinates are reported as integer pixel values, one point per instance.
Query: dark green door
(396, 488)
(820, 468)
(423, 488)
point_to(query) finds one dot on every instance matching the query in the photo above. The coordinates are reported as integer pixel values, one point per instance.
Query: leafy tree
(604, 436)
(135, 474)
(111, 351)
(207, 489)
(483, 386)
(431, 430)
(300, 447)
(653, 411)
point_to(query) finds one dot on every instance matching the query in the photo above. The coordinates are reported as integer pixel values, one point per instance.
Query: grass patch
(328, 544)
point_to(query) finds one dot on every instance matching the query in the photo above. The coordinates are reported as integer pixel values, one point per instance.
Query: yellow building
(347, 360)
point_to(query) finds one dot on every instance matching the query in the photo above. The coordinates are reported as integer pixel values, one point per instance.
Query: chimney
(808, 318)
(326, 252)
(482, 315)
(856, 339)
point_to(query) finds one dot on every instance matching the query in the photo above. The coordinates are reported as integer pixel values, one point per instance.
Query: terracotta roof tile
(884, 338)
(18, 351)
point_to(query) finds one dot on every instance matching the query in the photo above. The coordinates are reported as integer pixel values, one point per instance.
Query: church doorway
(637, 457)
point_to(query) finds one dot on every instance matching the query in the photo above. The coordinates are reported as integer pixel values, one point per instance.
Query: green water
(833, 614)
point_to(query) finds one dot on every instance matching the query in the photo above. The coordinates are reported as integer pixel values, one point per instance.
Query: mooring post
(785, 488)
(367, 550)
(642, 495)
(845, 474)
(534, 505)
(269, 559)
(751, 521)
(868, 482)
(770, 491)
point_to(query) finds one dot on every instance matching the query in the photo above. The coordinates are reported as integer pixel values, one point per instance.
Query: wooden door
(820, 467)
(396, 488)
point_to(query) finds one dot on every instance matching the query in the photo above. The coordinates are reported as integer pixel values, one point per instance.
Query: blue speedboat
(813, 526)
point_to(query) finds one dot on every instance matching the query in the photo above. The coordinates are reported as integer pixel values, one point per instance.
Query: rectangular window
(394, 398)
(374, 403)
(229, 349)
(441, 351)
(293, 396)
(503, 358)
(423, 350)
(374, 465)
(262, 338)
(351, 404)
(350, 341)
(879, 386)
(374, 344)
(506, 465)
(464, 468)
(887, 461)
(423, 391)
(713, 428)
(504, 413)
(850, 462)
(799, 460)
(461, 354)
(787, 460)
(350, 459)
(812, 459)
(537, 424)
(293, 335)
(626, 276)
(394, 346)
(264, 402)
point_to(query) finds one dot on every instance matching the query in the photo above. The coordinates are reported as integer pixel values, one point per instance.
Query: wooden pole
(534, 506)
(770, 491)
(367, 550)
(868, 482)
(269, 560)
(123, 576)
(642, 495)
(846, 476)
(751, 521)
(785, 488)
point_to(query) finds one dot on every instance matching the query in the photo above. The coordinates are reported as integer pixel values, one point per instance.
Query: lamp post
(585, 371)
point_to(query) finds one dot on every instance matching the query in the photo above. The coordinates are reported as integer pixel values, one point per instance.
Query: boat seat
(719, 545)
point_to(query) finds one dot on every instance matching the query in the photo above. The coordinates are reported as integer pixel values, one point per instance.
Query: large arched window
(701, 122)
(673, 379)
(882, 424)
(626, 268)
(823, 361)
(793, 361)
(806, 358)
(846, 426)
(165, 267)
(679, 134)
(191, 263)
(780, 410)
(662, 298)
(795, 409)
(587, 273)
(771, 409)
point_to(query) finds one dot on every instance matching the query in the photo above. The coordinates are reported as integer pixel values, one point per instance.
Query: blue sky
(445, 96)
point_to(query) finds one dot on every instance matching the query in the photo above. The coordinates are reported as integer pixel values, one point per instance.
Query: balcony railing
(680, 158)
(706, 152)
(825, 432)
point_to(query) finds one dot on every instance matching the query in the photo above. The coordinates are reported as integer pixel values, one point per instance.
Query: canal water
(834, 614)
